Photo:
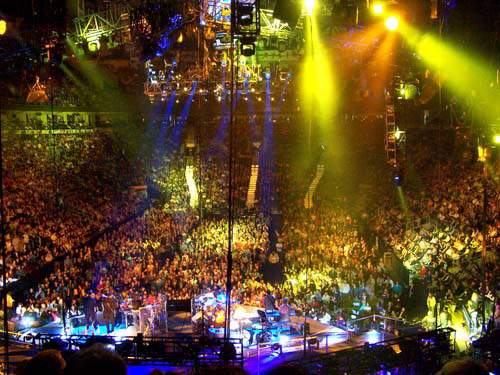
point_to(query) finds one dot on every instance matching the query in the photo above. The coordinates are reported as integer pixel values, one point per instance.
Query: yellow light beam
(462, 73)
(309, 6)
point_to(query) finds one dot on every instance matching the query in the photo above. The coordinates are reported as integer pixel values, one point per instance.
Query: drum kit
(148, 320)
(250, 323)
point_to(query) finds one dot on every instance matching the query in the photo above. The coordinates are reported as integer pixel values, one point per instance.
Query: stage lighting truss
(274, 34)
(390, 131)
(248, 70)
(92, 27)
(247, 17)
(247, 25)
(159, 23)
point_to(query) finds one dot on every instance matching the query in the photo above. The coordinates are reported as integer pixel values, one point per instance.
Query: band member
(109, 306)
(89, 309)
(285, 310)
(269, 301)
(118, 311)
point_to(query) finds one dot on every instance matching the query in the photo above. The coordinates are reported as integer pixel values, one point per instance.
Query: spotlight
(247, 45)
(3, 27)
(392, 23)
(396, 180)
(289, 75)
(248, 49)
(245, 14)
(309, 6)
(268, 75)
(94, 45)
(27, 321)
(378, 8)
(276, 349)
(497, 138)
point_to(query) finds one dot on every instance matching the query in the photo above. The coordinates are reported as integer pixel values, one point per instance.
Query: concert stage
(174, 351)
(259, 341)
(324, 350)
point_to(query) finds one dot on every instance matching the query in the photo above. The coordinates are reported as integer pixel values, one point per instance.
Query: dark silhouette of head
(96, 360)
(462, 367)
(47, 362)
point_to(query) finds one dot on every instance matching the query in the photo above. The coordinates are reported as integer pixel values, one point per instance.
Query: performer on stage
(109, 307)
(89, 309)
(118, 310)
(285, 310)
(269, 302)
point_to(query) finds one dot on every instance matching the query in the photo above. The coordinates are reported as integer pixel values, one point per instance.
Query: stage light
(497, 138)
(27, 321)
(378, 8)
(289, 75)
(245, 14)
(373, 336)
(392, 23)
(94, 45)
(309, 6)
(3, 27)
(276, 349)
(248, 49)
(396, 180)
(268, 75)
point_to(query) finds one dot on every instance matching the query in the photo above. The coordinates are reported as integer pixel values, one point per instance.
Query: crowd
(440, 238)
(331, 268)
(50, 207)
(61, 191)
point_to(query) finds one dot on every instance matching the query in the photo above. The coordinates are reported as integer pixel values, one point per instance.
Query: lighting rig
(107, 28)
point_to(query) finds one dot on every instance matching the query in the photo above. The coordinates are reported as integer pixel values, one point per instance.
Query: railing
(384, 318)
(387, 323)
(421, 353)
(319, 343)
(178, 351)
